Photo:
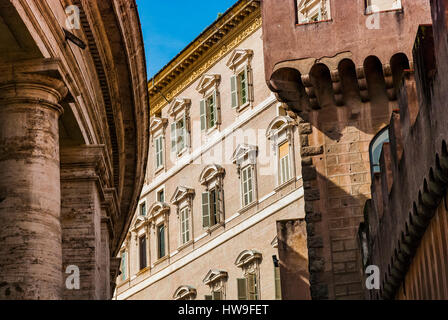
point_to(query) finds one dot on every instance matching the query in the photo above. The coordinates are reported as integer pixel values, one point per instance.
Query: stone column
(30, 229)
(84, 175)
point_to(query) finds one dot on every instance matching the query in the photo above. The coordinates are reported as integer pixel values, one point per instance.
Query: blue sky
(170, 25)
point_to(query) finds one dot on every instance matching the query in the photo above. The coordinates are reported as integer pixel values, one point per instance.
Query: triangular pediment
(242, 150)
(207, 81)
(238, 56)
(181, 193)
(213, 275)
(178, 104)
(157, 124)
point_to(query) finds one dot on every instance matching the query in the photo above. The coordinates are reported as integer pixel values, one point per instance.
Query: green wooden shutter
(278, 285)
(251, 286)
(217, 295)
(173, 138)
(206, 209)
(242, 289)
(208, 297)
(234, 91)
(203, 115)
(217, 108)
(123, 266)
(184, 132)
(219, 203)
(247, 84)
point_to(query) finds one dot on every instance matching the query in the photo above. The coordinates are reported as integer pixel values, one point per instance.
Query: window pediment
(157, 209)
(140, 222)
(244, 150)
(185, 292)
(178, 105)
(181, 194)
(238, 56)
(157, 124)
(210, 173)
(246, 257)
(279, 124)
(214, 275)
(208, 81)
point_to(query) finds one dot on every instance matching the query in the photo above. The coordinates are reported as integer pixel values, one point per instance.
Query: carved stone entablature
(238, 57)
(185, 293)
(248, 260)
(207, 82)
(157, 125)
(181, 194)
(210, 173)
(215, 276)
(245, 152)
(279, 124)
(179, 104)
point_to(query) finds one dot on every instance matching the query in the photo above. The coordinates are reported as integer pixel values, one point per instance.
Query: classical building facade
(338, 65)
(405, 232)
(74, 130)
(223, 187)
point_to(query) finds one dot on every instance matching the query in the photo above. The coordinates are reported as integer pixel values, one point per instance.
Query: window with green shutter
(217, 295)
(209, 111)
(123, 266)
(173, 138)
(142, 249)
(203, 112)
(161, 241)
(247, 186)
(243, 87)
(159, 152)
(252, 286)
(278, 285)
(242, 288)
(206, 209)
(234, 91)
(185, 225)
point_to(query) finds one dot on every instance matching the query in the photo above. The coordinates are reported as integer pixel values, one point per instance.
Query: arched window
(376, 147)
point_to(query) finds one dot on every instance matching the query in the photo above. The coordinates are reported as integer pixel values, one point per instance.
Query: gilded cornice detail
(160, 102)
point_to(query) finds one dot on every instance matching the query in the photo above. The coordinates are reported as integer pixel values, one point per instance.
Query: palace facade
(223, 189)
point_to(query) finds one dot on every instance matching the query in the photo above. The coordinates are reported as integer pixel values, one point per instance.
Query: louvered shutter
(278, 285)
(246, 83)
(206, 209)
(217, 107)
(203, 115)
(219, 203)
(173, 138)
(242, 289)
(251, 287)
(234, 91)
(217, 295)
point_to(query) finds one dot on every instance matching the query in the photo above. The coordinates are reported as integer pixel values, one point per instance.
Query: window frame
(159, 140)
(284, 178)
(160, 241)
(250, 168)
(373, 11)
(142, 208)
(143, 260)
(185, 230)
(371, 145)
(318, 11)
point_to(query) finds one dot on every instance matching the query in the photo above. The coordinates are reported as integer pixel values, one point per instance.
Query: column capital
(19, 88)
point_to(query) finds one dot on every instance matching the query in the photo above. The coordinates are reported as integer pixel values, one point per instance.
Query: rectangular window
(247, 186)
(143, 209)
(161, 196)
(284, 170)
(239, 87)
(209, 112)
(313, 11)
(211, 204)
(248, 287)
(373, 6)
(161, 241)
(185, 225)
(123, 266)
(142, 249)
(278, 285)
(159, 152)
(179, 135)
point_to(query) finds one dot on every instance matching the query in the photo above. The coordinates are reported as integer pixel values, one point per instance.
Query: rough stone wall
(293, 259)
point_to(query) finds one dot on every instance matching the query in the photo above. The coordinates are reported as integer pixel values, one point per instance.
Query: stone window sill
(161, 260)
(244, 106)
(383, 11)
(185, 245)
(159, 170)
(143, 271)
(248, 207)
(284, 185)
(312, 22)
(215, 227)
